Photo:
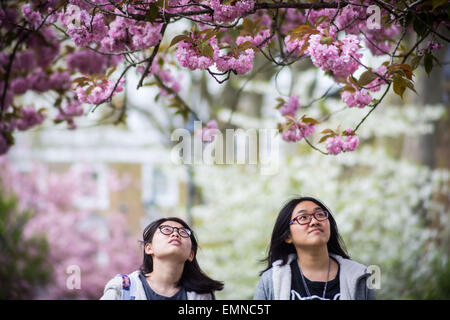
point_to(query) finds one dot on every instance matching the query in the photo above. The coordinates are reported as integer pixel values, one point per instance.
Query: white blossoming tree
(386, 208)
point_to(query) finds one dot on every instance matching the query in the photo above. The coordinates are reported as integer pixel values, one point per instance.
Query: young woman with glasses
(307, 259)
(169, 271)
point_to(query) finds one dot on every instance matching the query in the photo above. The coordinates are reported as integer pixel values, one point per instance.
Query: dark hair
(279, 249)
(192, 278)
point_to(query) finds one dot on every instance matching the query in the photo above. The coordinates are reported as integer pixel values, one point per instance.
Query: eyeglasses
(307, 217)
(168, 230)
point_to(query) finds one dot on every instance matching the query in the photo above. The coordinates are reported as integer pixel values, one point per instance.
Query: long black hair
(192, 278)
(279, 249)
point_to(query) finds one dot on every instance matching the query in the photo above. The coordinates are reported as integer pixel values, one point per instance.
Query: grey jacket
(275, 283)
(113, 289)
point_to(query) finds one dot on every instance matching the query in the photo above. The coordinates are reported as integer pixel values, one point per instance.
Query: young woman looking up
(169, 271)
(307, 259)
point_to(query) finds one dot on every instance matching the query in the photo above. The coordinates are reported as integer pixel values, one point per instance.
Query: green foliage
(438, 286)
(23, 260)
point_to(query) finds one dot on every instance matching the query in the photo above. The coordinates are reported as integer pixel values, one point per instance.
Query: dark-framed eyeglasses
(168, 230)
(306, 218)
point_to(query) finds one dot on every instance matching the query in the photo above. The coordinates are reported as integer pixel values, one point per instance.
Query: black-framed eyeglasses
(168, 230)
(306, 218)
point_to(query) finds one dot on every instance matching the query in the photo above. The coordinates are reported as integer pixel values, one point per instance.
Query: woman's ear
(191, 256)
(148, 248)
(288, 239)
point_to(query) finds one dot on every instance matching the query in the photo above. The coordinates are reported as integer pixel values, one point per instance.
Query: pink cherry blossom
(209, 131)
(260, 39)
(376, 84)
(359, 98)
(72, 109)
(189, 56)
(20, 85)
(297, 131)
(240, 65)
(334, 145)
(90, 29)
(351, 143)
(341, 57)
(30, 118)
(32, 16)
(228, 13)
(100, 93)
(338, 144)
(291, 106)
(74, 236)
(90, 62)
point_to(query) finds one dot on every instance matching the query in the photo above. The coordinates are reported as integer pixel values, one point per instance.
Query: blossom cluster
(297, 131)
(27, 118)
(229, 13)
(359, 98)
(209, 131)
(190, 56)
(74, 235)
(69, 111)
(166, 75)
(124, 34)
(338, 144)
(100, 92)
(340, 57)
(293, 129)
(290, 107)
(91, 62)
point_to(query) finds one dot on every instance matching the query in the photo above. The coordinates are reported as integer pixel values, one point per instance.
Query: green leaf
(428, 63)
(328, 131)
(9, 137)
(181, 37)
(228, 2)
(281, 102)
(320, 20)
(58, 101)
(211, 33)
(435, 3)
(416, 61)
(111, 71)
(206, 50)
(309, 120)
(300, 31)
(410, 85)
(152, 13)
(419, 27)
(326, 137)
(345, 133)
(89, 90)
(248, 26)
(399, 85)
(366, 78)
(326, 40)
(81, 81)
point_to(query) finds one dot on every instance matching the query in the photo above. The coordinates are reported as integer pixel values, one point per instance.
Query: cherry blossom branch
(315, 148)
(373, 107)
(13, 54)
(177, 97)
(152, 57)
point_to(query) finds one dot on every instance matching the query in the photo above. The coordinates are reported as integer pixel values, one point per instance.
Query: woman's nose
(175, 233)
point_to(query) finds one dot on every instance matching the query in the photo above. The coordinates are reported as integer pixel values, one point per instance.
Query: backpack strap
(128, 288)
